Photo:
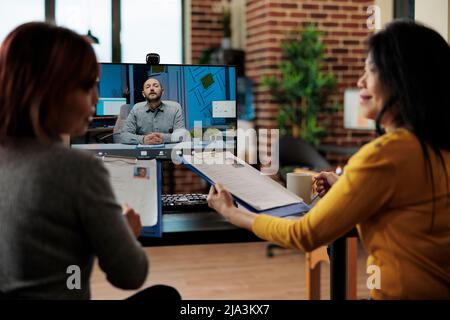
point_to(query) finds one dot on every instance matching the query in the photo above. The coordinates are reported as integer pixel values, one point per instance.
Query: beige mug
(300, 184)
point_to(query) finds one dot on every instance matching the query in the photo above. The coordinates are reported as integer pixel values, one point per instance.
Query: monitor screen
(205, 93)
(109, 106)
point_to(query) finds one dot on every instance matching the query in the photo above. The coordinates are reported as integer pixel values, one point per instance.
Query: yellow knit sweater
(386, 192)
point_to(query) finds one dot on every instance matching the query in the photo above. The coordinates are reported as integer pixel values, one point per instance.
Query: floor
(228, 271)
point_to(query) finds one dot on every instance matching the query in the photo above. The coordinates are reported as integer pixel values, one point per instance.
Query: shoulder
(397, 146)
(139, 107)
(82, 172)
(57, 167)
(172, 105)
(78, 160)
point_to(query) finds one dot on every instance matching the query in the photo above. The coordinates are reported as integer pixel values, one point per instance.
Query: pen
(338, 172)
(314, 198)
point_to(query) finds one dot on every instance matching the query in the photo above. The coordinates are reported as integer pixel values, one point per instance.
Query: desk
(342, 260)
(94, 132)
(198, 228)
(338, 267)
(210, 228)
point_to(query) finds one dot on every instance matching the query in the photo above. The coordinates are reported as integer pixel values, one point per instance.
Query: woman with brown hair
(57, 207)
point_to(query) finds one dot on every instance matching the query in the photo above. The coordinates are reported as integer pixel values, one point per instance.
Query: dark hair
(413, 62)
(39, 65)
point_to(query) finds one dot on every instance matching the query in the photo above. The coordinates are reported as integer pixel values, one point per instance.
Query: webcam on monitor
(152, 58)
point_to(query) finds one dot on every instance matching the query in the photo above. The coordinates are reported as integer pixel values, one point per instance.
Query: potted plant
(302, 88)
(209, 54)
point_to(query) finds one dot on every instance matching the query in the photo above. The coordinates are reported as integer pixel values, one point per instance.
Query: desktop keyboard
(190, 202)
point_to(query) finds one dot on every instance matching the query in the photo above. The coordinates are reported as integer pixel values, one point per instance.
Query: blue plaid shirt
(142, 120)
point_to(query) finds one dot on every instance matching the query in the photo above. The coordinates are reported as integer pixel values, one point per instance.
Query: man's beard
(153, 100)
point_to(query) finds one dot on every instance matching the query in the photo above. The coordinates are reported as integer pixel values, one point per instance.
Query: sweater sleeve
(367, 185)
(120, 255)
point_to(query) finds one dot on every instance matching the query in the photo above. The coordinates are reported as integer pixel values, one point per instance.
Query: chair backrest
(298, 152)
(120, 122)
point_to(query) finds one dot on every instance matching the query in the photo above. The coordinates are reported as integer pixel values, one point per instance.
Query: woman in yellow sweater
(395, 190)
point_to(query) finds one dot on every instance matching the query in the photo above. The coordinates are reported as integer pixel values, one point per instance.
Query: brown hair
(39, 65)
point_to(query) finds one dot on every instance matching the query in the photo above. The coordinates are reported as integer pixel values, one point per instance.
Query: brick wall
(206, 27)
(177, 179)
(344, 25)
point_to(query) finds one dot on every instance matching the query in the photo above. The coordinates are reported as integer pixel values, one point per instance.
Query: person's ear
(143, 93)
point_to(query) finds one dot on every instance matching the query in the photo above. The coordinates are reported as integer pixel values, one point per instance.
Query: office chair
(114, 137)
(296, 153)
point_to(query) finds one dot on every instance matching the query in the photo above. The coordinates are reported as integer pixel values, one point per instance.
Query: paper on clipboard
(242, 180)
(135, 183)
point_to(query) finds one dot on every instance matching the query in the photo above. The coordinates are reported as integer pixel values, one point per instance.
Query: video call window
(205, 93)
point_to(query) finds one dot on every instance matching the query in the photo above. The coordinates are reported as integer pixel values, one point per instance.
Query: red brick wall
(344, 25)
(177, 179)
(206, 27)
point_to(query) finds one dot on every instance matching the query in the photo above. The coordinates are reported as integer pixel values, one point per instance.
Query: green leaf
(302, 88)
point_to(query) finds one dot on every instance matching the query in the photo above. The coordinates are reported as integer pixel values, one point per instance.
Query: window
(151, 26)
(15, 13)
(146, 25)
(85, 16)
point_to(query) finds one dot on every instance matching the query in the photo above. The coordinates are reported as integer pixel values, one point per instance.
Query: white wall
(238, 24)
(187, 32)
(386, 11)
(435, 14)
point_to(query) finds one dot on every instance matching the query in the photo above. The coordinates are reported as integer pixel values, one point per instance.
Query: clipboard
(150, 179)
(295, 209)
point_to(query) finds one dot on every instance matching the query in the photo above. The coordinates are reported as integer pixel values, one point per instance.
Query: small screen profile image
(141, 173)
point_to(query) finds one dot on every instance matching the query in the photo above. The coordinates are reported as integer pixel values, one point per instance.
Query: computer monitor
(206, 93)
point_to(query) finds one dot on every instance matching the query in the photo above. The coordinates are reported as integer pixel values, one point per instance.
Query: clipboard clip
(130, 160)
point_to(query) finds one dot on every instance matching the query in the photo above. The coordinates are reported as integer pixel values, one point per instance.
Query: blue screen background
(194, 87)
